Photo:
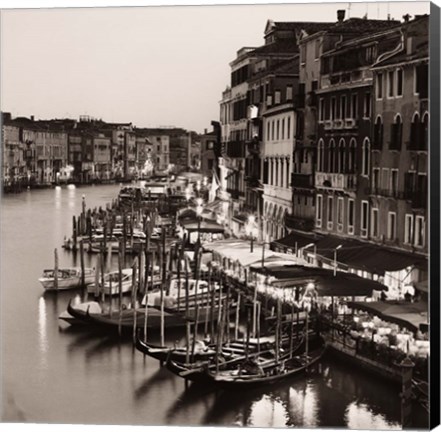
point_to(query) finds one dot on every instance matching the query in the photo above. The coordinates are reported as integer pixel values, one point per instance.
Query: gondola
(127, 319)
(265, 374)
(179, 354)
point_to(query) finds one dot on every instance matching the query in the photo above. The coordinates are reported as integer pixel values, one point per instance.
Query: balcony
(235, 149)
(335, 181)
(328, 124)
(253, 147)
(388, 193)
(299, 223)
(302, 181)
(338, 124)
(418, 200)
(350, 123)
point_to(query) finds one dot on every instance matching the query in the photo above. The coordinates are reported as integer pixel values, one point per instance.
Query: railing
(299, 223)
(390, 193)
(302, 180)
(335, 181)
(418, 199)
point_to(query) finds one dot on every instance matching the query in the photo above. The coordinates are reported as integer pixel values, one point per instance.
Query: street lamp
(251, 229)
(199, 210)
(335, 258)
(315, 249)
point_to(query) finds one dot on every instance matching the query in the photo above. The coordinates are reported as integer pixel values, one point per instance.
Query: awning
(204, 226)
(239, 250)
(410, 315)
(365, 256)
(327, 285)
(294, 240)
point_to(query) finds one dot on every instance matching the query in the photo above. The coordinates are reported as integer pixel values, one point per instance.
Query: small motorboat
(67, 278)
(111, 283)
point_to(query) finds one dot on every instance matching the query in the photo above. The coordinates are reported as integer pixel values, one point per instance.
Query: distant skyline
(152, 66)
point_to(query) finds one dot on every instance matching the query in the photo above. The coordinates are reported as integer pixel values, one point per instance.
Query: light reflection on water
(95, 378)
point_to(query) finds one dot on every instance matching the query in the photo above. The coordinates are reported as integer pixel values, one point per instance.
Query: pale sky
(152, 66)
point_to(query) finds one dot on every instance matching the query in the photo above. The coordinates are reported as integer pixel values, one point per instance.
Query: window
(424, 140)
(288, 128)
(421, 75)
(330, 212)
(322, 110)
(341, 156)
(378, 134)
(268, 127)
(272, 130)
(340, 204)
(390, 83)
(333, 108)
(210, 145)
(391, 225)
(367, 105)
(375, 180)
(289, 92)
(380, 86)
(278, 129)
(374, 224)
(366, 157)
(364, 218)
(317, 49)
(303, 53)
(354, 106)
(399, 82)
(385, 178)
(277, 97)
(343, 107)
(319, 210)
(419, 231)
(283, 128)
(351, 216)
(415, 133)
(394, 182)
(408, 229)
(320, 156)
(396, 134)
(288, 174)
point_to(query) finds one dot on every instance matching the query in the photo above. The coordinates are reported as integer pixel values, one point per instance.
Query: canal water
(54, 373)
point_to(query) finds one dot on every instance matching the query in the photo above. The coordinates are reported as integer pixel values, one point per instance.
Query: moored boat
(67, 278)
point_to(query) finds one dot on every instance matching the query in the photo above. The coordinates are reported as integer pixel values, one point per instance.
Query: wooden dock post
(56, 269)
(134, 286)
(74, 233)
(120, 258)
(406, 393)
(83, 280)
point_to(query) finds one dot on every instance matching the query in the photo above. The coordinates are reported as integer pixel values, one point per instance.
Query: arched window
(396, 133)
(415, 132)
(378, 134)
(352, 163)
(341, 156)
(424, 141)
(320, 156)
(331, 159)
(366, 157)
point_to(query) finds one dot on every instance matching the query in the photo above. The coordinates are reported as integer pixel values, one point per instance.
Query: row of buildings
(41, 152)
(324, 137)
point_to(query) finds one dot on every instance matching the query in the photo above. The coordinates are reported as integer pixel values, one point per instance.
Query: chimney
(32, 117)
(205, 131)
(341, 15)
